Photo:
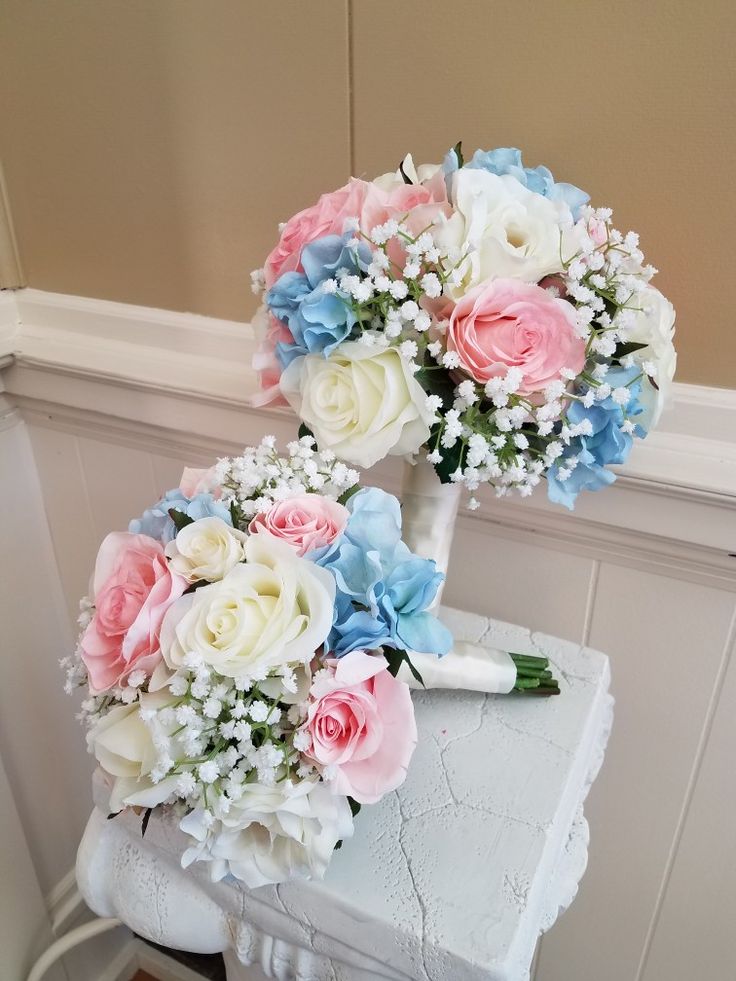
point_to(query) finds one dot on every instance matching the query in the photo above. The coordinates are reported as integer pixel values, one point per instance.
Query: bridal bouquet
(478, 309)
(241, 645)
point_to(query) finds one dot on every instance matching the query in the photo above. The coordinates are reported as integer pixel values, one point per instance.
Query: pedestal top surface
(453, 876)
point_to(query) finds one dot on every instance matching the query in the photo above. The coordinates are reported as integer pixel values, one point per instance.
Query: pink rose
(324, 218)
(417, 204)
(133, 588)
(268, 331)
(194, 481)
(361, 724)
(305, 522)
(505, 323)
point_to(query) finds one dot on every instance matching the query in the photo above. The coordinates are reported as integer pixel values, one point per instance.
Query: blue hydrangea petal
(423, 632)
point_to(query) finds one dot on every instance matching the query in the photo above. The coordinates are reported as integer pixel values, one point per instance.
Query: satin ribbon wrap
(468, 667)
(428, 513)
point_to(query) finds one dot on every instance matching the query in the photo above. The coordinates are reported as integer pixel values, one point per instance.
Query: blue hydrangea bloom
(507, 160)
(156, 522)
(383, 589)
(606, 444)
(318, 321)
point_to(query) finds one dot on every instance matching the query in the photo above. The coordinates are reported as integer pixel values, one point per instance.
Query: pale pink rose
(505, 323)
(306, 522)
(268, 331)
(326, 217)
(195, 481)
(418, 205)
(361, 724)
(133, 588)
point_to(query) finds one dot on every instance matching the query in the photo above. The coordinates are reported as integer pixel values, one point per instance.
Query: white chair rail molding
(102, 405)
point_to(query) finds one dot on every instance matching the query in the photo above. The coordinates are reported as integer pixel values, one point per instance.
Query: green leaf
(180, 519)
(417, 676)
(458, 148)
(304, 431)
(404, 174)
(237, 517)
(111, 816)
(450, 459)
(628, 348)
(346, 495)
(396, 658)
(144, 822)
(354, 806)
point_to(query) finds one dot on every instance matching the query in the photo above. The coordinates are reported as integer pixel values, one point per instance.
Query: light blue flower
(507, 160)
(607, 444)
(383, 589)
(318, 320)
(157, 523)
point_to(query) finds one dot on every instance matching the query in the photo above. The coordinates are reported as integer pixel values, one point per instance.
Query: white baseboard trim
(65, 904)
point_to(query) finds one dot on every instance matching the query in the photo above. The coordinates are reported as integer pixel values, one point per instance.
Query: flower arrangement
(479, 310)
(242, 647)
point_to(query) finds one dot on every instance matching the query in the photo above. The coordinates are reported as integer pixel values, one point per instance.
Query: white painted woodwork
(118, 399)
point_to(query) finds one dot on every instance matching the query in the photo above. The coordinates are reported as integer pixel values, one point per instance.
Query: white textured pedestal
(452, 878)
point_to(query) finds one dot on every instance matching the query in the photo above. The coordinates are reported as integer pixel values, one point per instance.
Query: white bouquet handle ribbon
(429, 510)
(467, 667)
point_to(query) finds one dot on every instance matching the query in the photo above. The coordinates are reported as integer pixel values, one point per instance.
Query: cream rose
(122, 744)
(655, 327)
(507, 231)
(206, 549)
(274, 609)
(270, 834)
(361, 403)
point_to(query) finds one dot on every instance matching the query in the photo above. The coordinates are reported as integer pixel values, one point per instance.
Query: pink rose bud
(306, 522)
(194, 481)
(361, 724)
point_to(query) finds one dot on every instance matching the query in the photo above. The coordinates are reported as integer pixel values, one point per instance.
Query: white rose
(122, 744)
(271, 834)
(506, 230)
(206, 549)
(274, 609)
(655, 326)
(360, 403)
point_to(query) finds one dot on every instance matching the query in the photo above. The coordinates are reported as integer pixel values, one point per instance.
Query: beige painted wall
(150, 146)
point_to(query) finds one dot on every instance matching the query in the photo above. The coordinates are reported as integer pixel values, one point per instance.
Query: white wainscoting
(118, 399)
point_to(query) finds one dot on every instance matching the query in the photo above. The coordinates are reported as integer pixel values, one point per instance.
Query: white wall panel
(665, 639)
(545, 589)
(41, 742)
(117, 479)
(695, 925)
(66, 500)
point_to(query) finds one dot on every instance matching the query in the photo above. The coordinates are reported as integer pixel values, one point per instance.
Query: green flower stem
(533, 676)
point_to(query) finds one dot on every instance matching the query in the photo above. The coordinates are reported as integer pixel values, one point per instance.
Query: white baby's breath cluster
(392, 299)
(260, 477)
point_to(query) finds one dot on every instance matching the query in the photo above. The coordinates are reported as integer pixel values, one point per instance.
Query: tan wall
(150, 146)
